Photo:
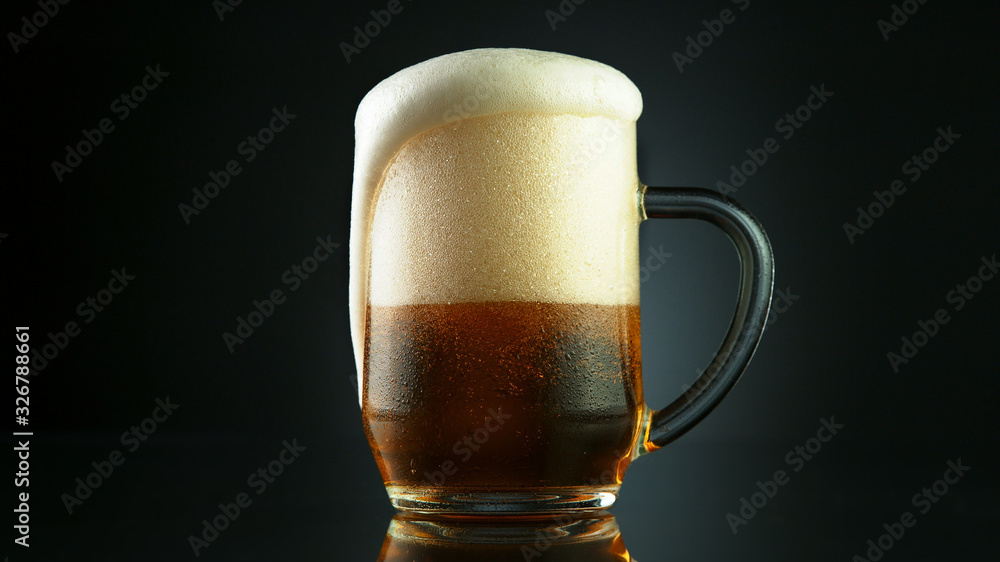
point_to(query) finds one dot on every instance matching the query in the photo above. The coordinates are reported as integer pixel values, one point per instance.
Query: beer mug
(494, 291)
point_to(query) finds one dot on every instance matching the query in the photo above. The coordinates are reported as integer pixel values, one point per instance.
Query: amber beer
(503, 395)
(495, 286)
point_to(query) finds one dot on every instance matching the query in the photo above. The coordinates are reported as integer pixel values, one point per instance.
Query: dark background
(824, 356)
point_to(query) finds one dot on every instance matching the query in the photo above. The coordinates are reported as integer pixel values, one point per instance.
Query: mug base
(520, 501)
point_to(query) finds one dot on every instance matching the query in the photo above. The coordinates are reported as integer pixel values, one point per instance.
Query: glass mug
(495, 284)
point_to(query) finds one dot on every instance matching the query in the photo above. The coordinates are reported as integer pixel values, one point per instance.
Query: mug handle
(756, 283)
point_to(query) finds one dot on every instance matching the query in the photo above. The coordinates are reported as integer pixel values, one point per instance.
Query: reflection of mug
(495, 284)
(595, 538)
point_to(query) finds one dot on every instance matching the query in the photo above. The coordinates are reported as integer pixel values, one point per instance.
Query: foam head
(494, 174)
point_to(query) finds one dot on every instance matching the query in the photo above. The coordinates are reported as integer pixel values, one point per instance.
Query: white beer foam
(448, 94)
(509, 207)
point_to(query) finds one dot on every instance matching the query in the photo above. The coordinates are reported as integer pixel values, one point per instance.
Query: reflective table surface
(249, 497)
